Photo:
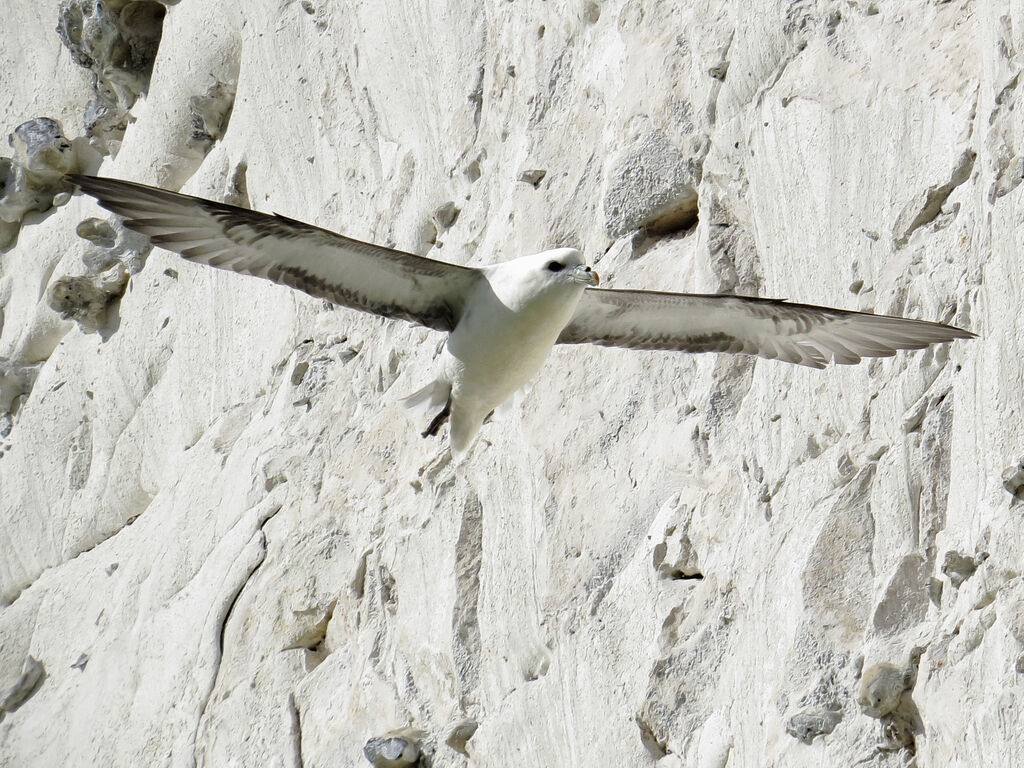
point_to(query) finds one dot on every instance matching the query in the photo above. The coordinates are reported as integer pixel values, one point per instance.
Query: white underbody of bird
(502, 319)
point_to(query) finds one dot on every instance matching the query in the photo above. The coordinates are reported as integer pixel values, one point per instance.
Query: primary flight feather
(502, 319)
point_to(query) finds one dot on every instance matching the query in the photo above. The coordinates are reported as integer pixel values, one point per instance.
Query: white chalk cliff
(223, 544)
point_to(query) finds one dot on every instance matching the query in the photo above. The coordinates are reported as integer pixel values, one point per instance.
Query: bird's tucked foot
(438, 420)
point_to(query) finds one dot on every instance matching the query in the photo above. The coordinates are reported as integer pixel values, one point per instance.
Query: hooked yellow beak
(586, 275)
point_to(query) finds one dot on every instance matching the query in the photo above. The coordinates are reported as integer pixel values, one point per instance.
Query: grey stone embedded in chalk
(394, 749)
(86, 298)
(33, 177)
(40, 145)
(1013, 480)
(118, 44)
(885, 688)
(79, 298)
(97, 231)
(533, 176)
(652, 185)
(885, 694)
(807, 725)
(16, 380)
(32, 673)
(881, 688)
(445, 215)
(960, 567)
(210, 114)
(460, 734)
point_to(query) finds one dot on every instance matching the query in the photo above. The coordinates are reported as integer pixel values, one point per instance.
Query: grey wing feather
(317, 261)
(771, 328)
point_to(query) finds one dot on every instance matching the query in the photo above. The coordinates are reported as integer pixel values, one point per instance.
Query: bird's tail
(428, 403)
(433, 402)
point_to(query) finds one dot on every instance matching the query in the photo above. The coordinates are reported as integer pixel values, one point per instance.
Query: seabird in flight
(503, 319)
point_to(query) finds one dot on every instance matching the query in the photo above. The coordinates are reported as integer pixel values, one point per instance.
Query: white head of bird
(555, 275)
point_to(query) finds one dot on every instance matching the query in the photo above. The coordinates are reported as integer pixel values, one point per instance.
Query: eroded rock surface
(116, 40)
(32, 178)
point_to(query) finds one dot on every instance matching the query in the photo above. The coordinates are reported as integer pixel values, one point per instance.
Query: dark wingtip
(958, 333)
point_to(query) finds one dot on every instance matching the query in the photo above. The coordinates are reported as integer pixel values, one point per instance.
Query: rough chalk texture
(225, 544)
(652, 186)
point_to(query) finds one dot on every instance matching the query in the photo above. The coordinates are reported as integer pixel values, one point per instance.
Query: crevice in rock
(674, 557)
(734, 257)
(926, 206)
(720, 70)
(313, 639)
(600, 584)
(932, 446)
(234, 600)
(476, 98)
(265, 513)
(236, 189)
(680, 217)
(1002, 141)
(358, 585)
(732, 378)
(681, 680)
(7, 600)
(466, 640)
(386, 585)
(656, 747)
(474, 168)
(296, 731)
(820, 709)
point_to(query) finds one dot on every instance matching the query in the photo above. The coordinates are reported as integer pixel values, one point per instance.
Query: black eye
(555, 266)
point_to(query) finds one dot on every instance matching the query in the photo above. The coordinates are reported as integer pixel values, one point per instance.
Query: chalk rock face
(224, 544)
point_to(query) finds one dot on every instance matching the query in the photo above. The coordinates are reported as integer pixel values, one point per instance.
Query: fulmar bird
(503, 319)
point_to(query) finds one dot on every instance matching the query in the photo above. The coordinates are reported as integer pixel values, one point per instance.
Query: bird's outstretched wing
(795, 333)
(320, 262)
